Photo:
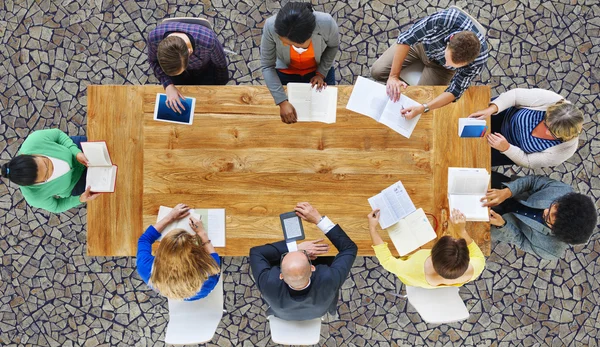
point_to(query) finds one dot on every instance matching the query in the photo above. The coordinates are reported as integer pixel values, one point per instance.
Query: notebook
(312, 105)
(470, 127)
(411, 232)
(213, 220)
(370, 99)
(101, 172)
(466, 187)
(162, 113)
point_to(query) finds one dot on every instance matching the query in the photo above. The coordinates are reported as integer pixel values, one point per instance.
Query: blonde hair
(181, 265)
(564, 120)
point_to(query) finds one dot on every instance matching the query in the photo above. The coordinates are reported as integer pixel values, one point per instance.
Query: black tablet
(292, 227)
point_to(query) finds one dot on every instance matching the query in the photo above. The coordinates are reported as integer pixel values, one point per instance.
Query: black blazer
(326, 281)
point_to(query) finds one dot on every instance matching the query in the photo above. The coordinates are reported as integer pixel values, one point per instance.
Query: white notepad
(213, 220)
(466, 187)
(312, 105)
(101, 173)
(370, 99)
(411, 232)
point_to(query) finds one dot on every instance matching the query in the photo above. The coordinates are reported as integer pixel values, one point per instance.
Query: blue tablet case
(473, 131)
(165, 113)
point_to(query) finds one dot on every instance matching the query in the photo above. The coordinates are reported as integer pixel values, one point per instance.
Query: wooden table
(238, 155)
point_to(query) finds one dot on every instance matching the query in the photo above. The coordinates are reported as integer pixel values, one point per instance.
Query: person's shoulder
(324, 20)
(269, 23)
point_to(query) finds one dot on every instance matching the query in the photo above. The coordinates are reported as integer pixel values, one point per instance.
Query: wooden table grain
(238, 155)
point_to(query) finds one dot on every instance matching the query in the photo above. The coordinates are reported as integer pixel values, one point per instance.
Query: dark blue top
(517, 125)
(145, 259)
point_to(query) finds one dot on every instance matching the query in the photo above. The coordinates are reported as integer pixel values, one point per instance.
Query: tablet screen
(166, 114)
(292, 227)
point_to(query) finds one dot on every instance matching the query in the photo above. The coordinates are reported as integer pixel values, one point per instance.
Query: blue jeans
(80, 186)
(287, 78)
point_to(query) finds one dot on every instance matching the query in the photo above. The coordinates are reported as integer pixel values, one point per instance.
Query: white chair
(193, 322)
(437, 306)
(304, 333)
(195, 20)
(477, 24)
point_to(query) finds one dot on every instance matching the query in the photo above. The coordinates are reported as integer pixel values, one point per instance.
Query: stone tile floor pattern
(53, 295)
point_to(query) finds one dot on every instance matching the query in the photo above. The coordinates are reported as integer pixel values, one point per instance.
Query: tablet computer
(292, 226)
(163, 113)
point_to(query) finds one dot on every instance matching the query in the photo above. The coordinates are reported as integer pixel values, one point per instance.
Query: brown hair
(564, 120)
(181, 265)
(464, 47)
(173, 55)
(450, 257)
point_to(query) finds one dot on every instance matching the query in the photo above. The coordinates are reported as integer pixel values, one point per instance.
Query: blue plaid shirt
(434, 32)
(207, 49)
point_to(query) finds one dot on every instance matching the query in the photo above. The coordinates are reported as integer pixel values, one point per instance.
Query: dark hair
(21, 170)
(464, 47)
(450, 257)
(173, 55)
(295, 21)
(575, 218)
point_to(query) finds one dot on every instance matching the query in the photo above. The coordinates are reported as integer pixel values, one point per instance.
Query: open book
(393, 203)
(370, 98)
(101, 173)
(312, 105)
(469, 127)
(466, 187)
(411, 232)
(213, 220)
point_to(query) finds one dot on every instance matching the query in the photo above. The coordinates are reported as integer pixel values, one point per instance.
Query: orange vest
(301, 64)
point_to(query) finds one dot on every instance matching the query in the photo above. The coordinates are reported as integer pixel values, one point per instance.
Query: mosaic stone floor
(52, 295)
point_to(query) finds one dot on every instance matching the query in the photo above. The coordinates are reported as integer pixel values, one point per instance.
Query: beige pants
(433, 73)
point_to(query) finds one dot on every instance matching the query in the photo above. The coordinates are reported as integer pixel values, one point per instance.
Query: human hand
(412, 111)
(496, 219)
(485, 113)
(458, 218)
(313, 248)
(178, 212)
(318, 81)
(373, 218)
(174, 98)
(495, 197)
(394, 88)
(308, 213)
(82, 159)
(88, 195)
(287, 112)
(198, 227)
(497, 141)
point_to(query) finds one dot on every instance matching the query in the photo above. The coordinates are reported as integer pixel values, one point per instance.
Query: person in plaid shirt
(185, 54)
(451, 47)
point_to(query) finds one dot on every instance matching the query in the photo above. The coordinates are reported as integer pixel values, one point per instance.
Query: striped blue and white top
(517, 125)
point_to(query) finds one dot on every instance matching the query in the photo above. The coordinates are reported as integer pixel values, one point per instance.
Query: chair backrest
(412, 73)
(199, 21)
(439, 305)
(193, 322)
(305, 333)
(477, 24)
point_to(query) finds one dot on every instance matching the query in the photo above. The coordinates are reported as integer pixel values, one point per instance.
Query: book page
(466, 181)
(392, 117)
(182, 223)
(411, 232)
(368, 98)
(216, 226)
(397, 196)
(299, 95)
(96, 153)
(387, 216)
(470, 206)
(324, 105)
(101, 179)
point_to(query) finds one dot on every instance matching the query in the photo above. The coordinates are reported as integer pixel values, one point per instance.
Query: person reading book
(450, 263)
(185, 54)
(298, 45)
(452, 47)
(540, 215)
(50, 169)
(186, 266)
(533, 128)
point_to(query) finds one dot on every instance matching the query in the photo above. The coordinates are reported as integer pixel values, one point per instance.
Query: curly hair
(464, 47)
(450, 257)
(576, 218)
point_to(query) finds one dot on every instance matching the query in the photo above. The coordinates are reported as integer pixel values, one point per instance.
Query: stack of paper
(213, 220)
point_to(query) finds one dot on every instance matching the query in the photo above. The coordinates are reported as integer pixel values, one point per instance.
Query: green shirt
(54, 196)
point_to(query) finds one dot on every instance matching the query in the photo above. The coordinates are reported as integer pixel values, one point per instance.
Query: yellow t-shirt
(411, 269)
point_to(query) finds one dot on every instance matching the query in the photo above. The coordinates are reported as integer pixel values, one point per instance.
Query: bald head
(296, 269)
